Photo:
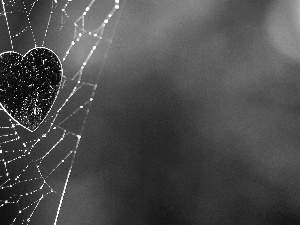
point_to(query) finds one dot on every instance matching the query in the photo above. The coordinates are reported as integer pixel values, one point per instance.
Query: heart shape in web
(29, 85)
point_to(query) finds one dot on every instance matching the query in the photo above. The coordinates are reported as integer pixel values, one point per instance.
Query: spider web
(35, 166)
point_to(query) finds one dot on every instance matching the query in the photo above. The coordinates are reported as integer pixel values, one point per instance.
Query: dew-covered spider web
(35, 167)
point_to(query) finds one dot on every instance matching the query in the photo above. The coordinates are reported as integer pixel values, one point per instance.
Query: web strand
(28, 18)
(7, 25)
(49, 20)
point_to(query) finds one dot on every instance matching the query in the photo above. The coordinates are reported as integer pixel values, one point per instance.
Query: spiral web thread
(36, 167)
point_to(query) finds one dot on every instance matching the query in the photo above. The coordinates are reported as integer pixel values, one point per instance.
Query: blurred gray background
(196, 118)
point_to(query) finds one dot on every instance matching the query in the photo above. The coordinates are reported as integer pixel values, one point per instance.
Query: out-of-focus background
(196, 119)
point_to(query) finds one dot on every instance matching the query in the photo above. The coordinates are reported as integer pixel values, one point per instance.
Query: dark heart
(29, 85)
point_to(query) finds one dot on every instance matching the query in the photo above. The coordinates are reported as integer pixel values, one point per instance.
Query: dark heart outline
(59, 86)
